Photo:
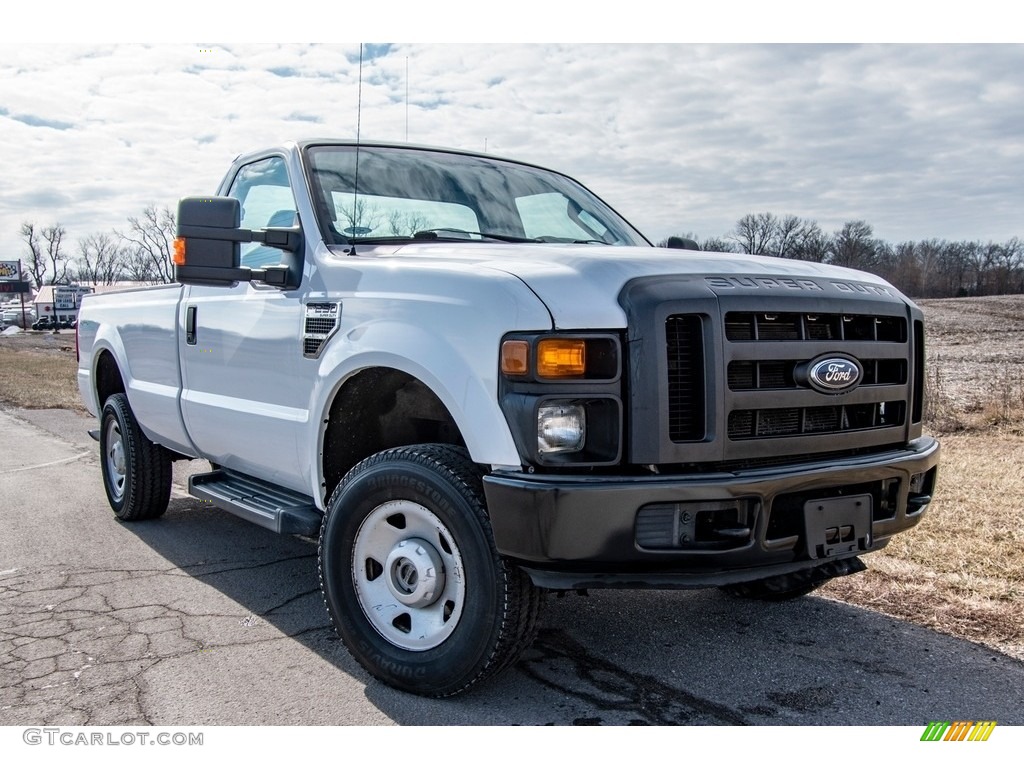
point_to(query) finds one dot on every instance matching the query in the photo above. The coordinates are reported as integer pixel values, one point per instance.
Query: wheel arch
(376, 408)
(107, 377)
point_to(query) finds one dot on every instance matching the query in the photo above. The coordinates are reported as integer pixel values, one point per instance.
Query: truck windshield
(400, 194)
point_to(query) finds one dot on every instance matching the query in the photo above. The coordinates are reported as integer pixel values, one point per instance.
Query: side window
(266, 197)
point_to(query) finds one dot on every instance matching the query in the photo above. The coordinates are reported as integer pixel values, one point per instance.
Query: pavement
(200, 618)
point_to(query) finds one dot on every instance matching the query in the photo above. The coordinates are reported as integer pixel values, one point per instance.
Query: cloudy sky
(920, 140)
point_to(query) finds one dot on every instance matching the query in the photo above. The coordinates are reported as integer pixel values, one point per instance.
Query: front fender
(467, 386)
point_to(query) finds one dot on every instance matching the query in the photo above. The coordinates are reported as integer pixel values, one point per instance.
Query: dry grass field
(37, 370)
(961, 571)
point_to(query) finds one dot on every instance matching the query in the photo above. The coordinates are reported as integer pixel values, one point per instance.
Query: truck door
(245, 383)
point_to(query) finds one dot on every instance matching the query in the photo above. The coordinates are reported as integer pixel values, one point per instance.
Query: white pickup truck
(474, 382)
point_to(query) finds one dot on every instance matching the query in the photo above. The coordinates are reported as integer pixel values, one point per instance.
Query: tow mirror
(207, 252)
(683, 243)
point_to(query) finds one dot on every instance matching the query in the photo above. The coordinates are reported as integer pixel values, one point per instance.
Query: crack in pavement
(76, 644)
(563, 664)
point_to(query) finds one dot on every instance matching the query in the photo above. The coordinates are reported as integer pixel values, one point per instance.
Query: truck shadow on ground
(641, 658)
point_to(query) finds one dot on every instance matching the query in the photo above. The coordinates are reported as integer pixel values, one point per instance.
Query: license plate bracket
(837, 525)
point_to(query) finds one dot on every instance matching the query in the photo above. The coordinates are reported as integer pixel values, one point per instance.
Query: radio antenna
(359, 127)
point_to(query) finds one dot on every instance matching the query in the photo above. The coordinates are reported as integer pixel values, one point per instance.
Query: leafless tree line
(140, 252)
(921, 269)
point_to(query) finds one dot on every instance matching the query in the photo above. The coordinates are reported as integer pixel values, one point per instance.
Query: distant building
(60, 301)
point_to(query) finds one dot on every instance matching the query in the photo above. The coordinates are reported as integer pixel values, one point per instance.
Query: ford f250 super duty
(473, 381)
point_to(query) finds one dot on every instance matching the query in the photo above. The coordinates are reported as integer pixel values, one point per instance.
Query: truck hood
(580, 284)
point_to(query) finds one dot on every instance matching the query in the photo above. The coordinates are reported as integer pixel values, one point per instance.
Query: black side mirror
(683, 243)
(207, 250)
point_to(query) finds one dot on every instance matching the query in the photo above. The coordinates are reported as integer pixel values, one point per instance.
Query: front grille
(779, 374)
(791, 326)
(685, 341)
(735, 382)
(779, 422)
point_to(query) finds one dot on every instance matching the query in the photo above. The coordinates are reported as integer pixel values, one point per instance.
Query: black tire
(420, 510)
(769, 591)
(136, 471)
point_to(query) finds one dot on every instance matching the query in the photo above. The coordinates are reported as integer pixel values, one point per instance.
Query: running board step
(271, 506)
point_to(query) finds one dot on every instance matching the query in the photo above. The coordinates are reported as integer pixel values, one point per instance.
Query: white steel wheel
(114, 456)
(411, 578)
(408, 575)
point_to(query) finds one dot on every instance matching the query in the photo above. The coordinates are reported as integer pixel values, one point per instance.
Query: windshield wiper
(570, 240)
(437, 233)
(454, 234)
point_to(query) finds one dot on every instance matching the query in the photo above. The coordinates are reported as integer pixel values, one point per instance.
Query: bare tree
(854, 246)
(951, 274)
(811, 243)
(1015, 261)
(35, 264)
(405, 224)
(55, 255)
(138, 266)
(925, 269)
(755, 232)
(362, 217)
(785, 236)
(100, 260)
(152, 236)
(47, 263)
(717, 245)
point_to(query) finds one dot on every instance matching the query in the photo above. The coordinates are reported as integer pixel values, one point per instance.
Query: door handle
(190, 325)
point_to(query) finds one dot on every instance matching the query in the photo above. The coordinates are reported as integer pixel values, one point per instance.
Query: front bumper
(572, 532)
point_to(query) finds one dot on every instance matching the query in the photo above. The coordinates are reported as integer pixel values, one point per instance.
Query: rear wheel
(411, 578)
(136, 471)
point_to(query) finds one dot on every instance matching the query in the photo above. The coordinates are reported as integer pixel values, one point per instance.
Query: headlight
(561, 393)
(561, 358)
(561, 428)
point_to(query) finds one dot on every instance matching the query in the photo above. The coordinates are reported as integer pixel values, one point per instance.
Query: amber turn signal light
(179, 251)
(515, 357)
(561, 358)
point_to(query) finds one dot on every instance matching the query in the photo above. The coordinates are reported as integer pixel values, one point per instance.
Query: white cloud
(920, 141)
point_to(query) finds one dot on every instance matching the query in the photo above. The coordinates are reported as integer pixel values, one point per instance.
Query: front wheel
(411, 578)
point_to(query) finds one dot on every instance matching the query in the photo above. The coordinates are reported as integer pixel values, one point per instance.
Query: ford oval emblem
(834, 375)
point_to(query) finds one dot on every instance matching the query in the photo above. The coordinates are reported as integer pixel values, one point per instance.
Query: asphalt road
(200, 618)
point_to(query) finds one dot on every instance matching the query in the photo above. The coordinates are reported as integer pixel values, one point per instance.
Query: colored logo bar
(961, 730)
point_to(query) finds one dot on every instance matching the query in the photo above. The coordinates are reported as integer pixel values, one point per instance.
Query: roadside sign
(64, 298)
(13, 286)
(10, 270)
